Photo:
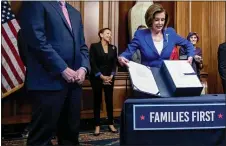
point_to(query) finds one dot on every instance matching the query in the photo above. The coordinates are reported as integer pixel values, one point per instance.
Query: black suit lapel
(56, 5)
(100, 48)
(110, 50)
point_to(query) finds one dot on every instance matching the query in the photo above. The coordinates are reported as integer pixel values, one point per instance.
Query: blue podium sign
(179, 116)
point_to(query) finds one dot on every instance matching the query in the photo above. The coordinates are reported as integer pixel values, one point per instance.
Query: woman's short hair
(150, 14)
(102, 31)
(191, 34)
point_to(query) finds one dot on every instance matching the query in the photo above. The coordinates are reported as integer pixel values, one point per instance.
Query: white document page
(142, 78)
(182, 73)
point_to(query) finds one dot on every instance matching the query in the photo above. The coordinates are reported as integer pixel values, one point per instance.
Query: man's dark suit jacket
(222, 64)
(52, 45)
(22, 47)
(100, 64)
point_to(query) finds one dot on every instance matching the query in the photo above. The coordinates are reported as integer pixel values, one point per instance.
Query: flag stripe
(15, 24)
(9, 61)
(12, 58)
(5, 86)
(14, 52)
(12, 28)
(11, 36)
(7, 77)
(9, 72)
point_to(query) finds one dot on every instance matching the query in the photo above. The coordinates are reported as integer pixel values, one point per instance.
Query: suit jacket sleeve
(32, 24)
(132, 47)
(93, 61)
(22, 47)
(84, 49)
(222, 61)
(185, 44)
(200, 53)
(115, 61)
(222, 64)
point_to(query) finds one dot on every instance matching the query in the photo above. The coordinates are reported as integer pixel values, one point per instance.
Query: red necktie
(64, 10)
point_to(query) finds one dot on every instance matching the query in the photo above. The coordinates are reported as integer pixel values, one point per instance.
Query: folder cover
(180, 78)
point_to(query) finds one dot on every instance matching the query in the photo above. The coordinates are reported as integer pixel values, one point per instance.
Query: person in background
(136, 56)
(57, 60)
(222, 64)
(197, 63)
(103, 59)
(157, 42)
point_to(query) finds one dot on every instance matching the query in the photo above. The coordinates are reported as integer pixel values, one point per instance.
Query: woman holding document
(155, 43)
(103, 58)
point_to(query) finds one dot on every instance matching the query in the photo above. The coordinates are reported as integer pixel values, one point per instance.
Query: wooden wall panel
(15, 5)
(208, 20)
(123, 27)
(182, 18)
(200, 24)
(217, 36)
(91, 22)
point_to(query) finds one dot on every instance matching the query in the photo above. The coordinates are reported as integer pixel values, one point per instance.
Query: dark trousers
(55, 112)
(224, 85)
(97, 86)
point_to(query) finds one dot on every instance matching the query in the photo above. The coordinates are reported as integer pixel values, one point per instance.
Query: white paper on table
(142, 78)
(182, 73)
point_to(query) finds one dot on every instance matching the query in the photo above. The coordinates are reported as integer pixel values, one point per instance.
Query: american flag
(13, 70)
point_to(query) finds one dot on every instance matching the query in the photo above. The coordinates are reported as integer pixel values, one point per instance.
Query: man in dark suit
(222, 64)
(57, 61)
